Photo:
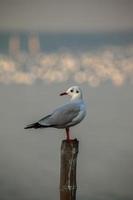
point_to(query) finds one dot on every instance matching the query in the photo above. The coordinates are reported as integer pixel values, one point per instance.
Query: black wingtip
(26, 127)
(34, 125)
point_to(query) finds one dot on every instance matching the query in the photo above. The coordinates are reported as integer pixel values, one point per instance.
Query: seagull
(64, 116)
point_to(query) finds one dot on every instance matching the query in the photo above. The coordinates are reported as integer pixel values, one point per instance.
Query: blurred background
(47, 46)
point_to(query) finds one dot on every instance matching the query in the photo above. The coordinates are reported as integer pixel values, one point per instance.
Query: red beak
(64, 93)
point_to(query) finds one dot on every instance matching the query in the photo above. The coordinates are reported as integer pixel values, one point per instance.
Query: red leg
(67, 135)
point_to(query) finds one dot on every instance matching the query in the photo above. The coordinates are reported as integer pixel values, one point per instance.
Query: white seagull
(64, 116)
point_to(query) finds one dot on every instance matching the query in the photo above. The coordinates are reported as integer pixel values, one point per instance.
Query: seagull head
(74, 92)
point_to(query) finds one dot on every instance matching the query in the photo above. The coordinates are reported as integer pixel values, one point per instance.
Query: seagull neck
(75, 98)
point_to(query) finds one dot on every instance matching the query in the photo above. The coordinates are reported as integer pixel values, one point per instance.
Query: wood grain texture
(68, 185)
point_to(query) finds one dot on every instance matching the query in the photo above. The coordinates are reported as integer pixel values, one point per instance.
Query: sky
(46, 47)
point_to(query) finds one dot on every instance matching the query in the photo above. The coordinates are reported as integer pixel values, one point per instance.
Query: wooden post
(68, 186)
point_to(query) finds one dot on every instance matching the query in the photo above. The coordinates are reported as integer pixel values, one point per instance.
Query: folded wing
(62, 116)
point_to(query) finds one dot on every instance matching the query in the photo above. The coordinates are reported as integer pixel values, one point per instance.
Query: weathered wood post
(68, 186)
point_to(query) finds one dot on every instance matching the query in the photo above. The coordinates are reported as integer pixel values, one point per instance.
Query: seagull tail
(34, 125)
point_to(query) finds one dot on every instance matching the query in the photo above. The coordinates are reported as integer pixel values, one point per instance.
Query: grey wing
(61, 116)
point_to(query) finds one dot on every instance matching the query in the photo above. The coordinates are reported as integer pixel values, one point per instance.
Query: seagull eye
(71, 90)
(77, 91)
